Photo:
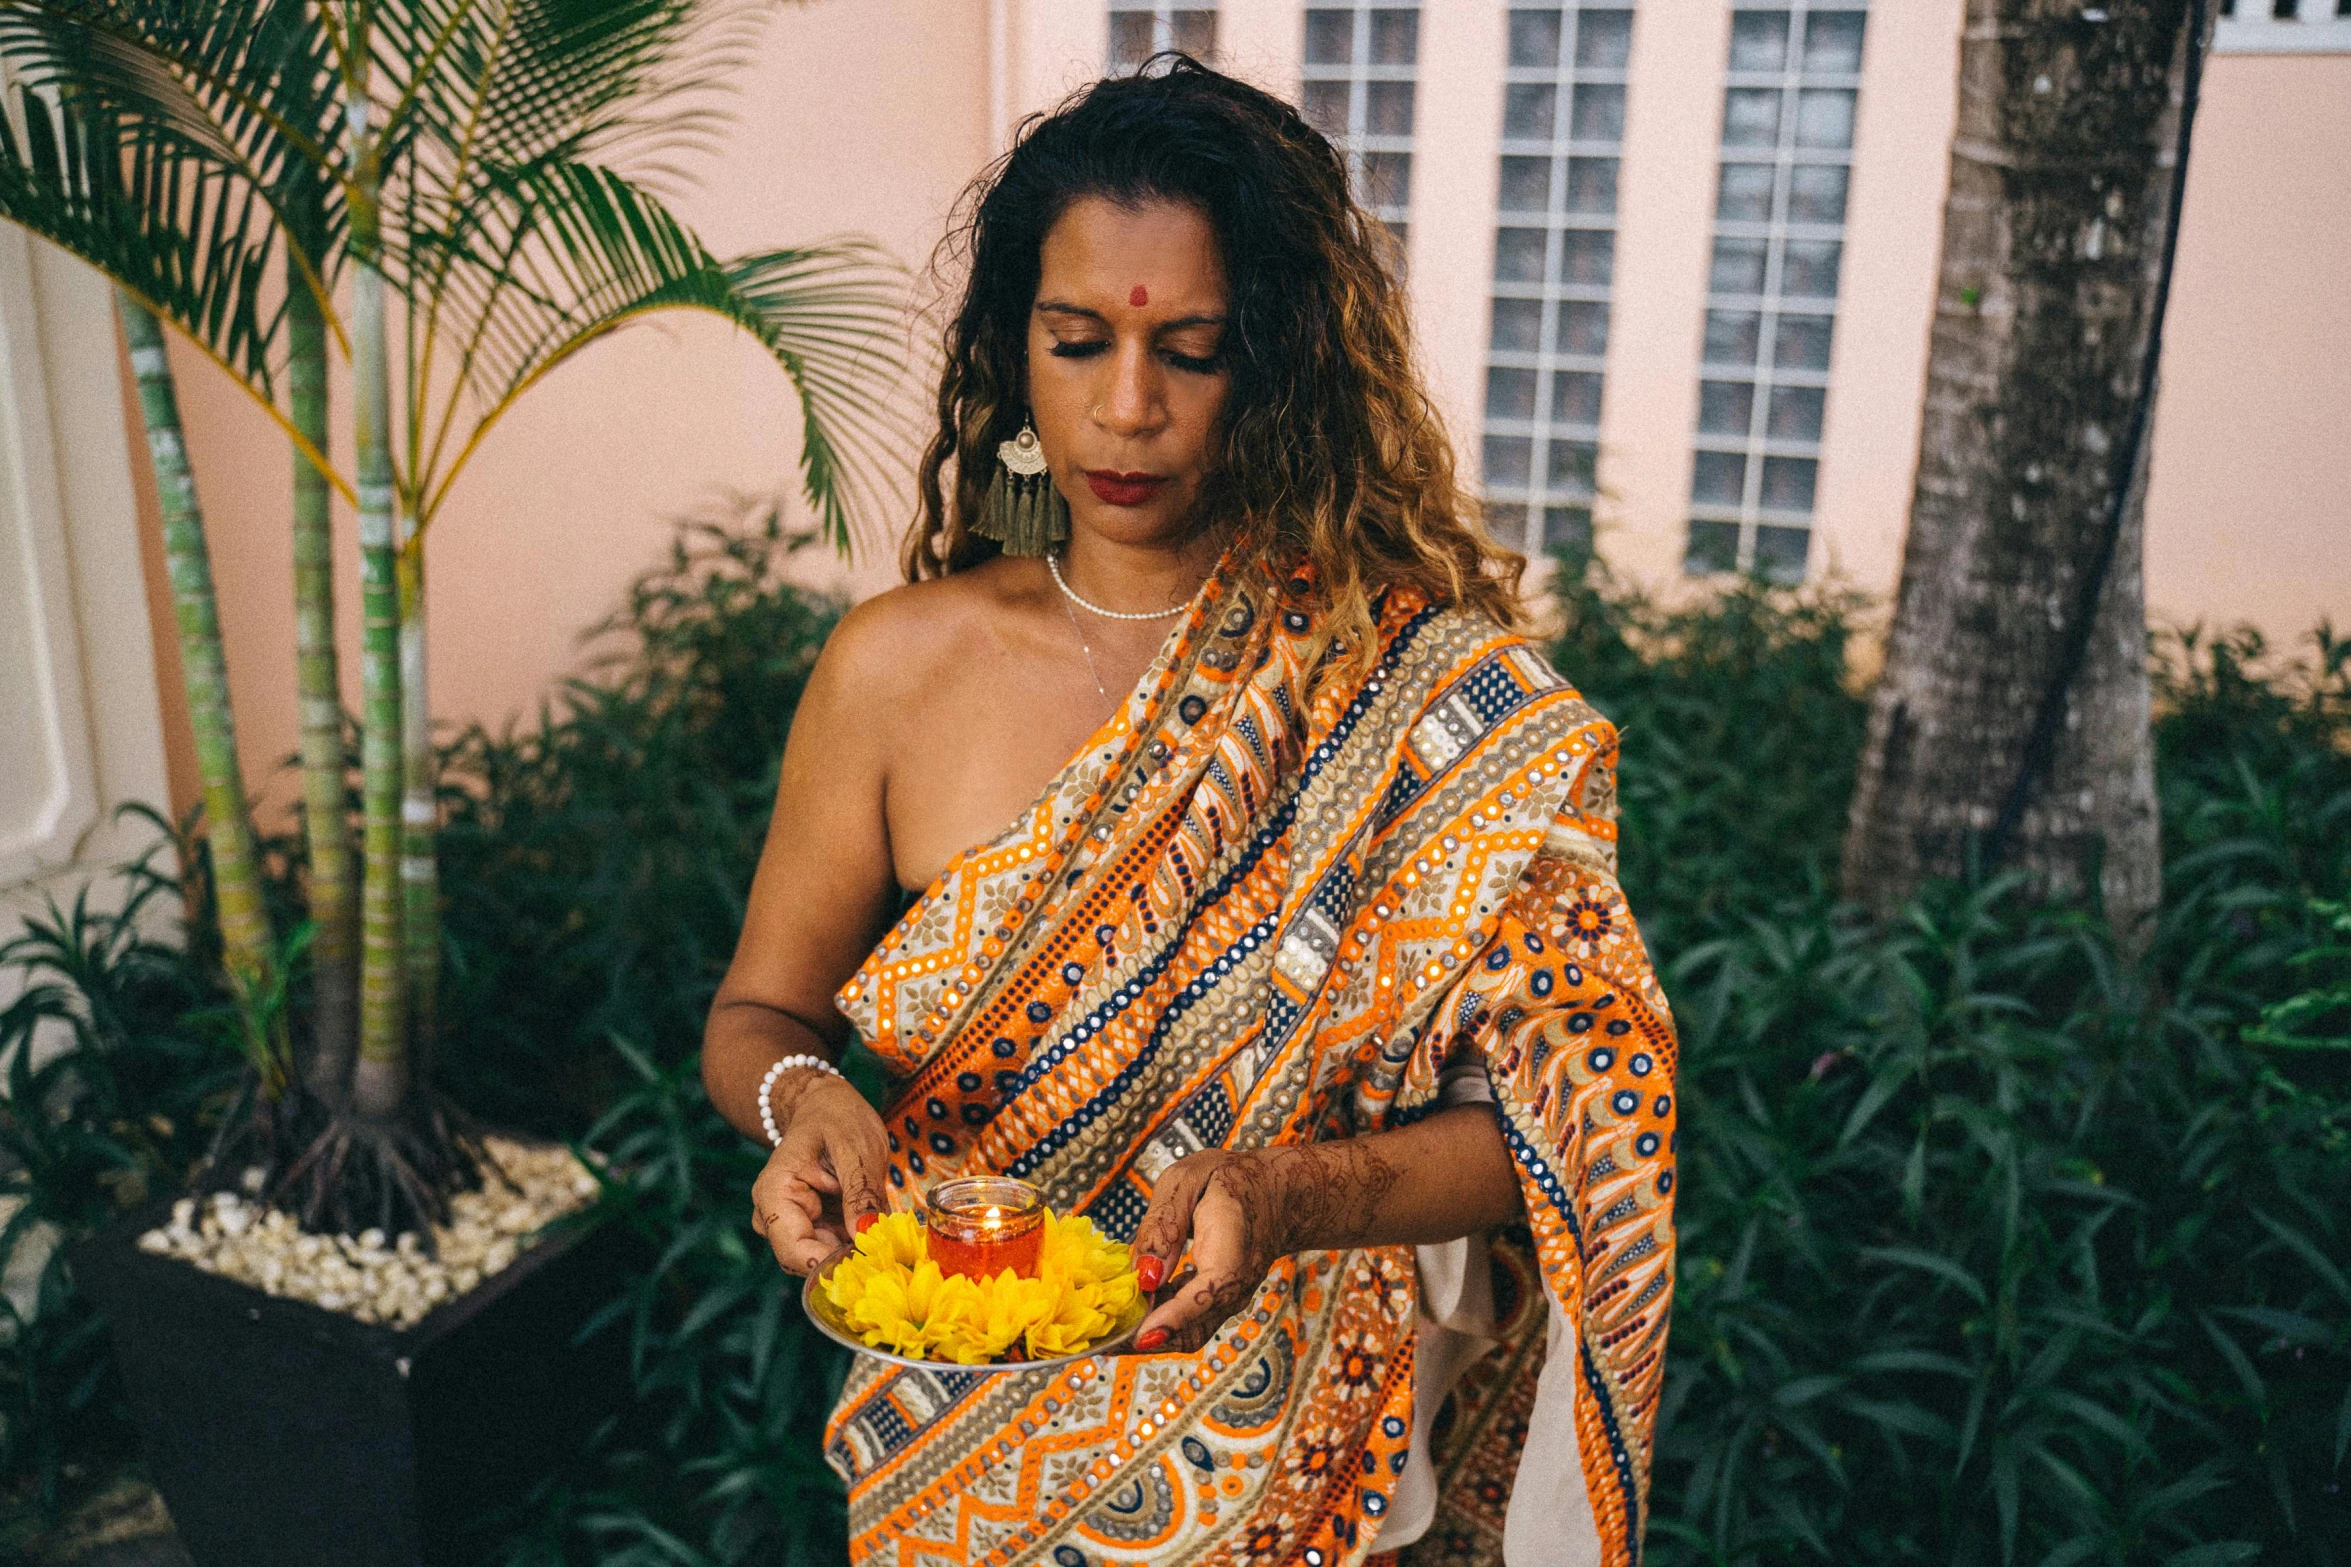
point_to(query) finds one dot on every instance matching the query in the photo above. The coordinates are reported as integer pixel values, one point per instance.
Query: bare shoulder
(902, 639)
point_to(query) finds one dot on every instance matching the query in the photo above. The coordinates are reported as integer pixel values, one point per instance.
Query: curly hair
(1331, 453)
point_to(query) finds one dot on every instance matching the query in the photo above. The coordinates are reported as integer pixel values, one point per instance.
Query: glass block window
(2283, 27)
(1357, 90)
(1771, 296)
(1137, 32)
(1554, 256)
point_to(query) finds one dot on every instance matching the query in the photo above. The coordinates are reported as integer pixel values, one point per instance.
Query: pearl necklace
(1053, 565)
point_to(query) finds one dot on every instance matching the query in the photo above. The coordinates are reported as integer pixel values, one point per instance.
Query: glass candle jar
(979, 1225)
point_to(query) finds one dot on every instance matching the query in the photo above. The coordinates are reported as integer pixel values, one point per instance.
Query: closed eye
(1094, 348)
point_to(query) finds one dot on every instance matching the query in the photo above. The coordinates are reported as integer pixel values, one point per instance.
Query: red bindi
(1140, 297)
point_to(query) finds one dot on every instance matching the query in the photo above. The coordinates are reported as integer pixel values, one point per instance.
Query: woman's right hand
(828, 1178)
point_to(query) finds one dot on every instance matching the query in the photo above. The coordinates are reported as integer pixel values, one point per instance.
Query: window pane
(1591, 185)
(1510, 459)
(1787, 483)
(1387, 179)
(1390, 110)
(1526, 184)
(1395, 37)
(1802, 343)
(1587, 256)
(1725, 407)
(1599, 112)
(1326, 107)
(1824, 118)
(1583, 327)
(1604, 40)
(1738, 266)
(1719, 478)
(1567, 530)
(1534, 38)
(1575, 398)
(1751, 117)
(1195, 33)
(1779, 552)
(1571, 467)
(1746, 193)
(1510, 394)
(1808, 269)
(1130, 38)
(1518, 258)
(1518, 326)
(1330, 37)
(1731, 336)
(1507, 521)
(1832, 42)
(1759, 40)
(1529, 110)
(1816, 193)
(1795, 413)
(1714, 546)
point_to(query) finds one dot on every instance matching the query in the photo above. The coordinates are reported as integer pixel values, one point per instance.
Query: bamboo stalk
(420, 879)
(334, 880)
(246, 940)
(380, 1081)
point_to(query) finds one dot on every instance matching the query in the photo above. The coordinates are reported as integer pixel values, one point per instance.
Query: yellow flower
(894, 1297)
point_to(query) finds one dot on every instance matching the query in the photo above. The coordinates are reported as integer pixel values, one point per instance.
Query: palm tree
(2011, 722)
(467, 164)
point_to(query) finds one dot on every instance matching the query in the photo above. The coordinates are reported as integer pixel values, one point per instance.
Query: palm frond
(838, 314)
(195, 245)
(569, 252)
(244, 90)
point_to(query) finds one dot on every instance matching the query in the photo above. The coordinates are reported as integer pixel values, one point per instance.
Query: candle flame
(993, 1218)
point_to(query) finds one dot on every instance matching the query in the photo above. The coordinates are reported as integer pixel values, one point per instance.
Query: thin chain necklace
(1084, 646)
(1053, 564)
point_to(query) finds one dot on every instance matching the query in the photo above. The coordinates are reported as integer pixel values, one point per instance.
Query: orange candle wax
(980, 1225)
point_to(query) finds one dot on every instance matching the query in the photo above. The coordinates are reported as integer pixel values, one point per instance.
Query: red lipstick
(1123, 489)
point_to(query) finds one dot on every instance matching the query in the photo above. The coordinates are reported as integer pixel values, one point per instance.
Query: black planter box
(284, 1435)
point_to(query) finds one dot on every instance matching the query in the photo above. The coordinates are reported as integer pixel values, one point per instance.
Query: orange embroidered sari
(1255, 911)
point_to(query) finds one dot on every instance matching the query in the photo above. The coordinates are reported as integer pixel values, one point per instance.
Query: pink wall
(2249, 505)
(576, 491)
(869, 115)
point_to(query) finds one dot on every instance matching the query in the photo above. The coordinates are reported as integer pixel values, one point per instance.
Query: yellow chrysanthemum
(896, 1298)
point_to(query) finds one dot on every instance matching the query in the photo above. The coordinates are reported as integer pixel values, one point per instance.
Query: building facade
(1671, 262)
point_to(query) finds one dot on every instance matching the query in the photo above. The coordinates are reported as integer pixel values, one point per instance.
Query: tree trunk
(246, 942)
(380, 1082)
(420, 879)
(2011, 723)
(334, 881)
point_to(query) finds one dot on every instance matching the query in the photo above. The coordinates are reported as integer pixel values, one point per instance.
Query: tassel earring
(1023, 511)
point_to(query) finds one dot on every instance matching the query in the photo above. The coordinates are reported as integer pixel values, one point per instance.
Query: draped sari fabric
(1256, 909)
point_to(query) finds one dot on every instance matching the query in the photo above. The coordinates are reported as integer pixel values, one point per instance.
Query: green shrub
(1995, 1246)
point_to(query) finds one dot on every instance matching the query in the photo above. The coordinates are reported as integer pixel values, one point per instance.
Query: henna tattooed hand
(824, 1182)
(1241, 1212)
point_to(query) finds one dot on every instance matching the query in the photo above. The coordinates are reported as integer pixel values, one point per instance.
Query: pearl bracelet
(767, 1115)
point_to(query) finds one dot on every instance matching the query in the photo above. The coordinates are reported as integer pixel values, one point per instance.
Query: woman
(1301, 962)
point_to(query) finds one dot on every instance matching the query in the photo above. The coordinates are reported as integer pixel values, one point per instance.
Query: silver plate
(828, 1320)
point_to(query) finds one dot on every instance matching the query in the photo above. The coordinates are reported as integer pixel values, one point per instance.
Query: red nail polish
(865, 1221)
(1148, 1273)
(1151, 1340)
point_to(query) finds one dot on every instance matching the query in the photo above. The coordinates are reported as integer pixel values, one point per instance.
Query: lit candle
(981, 1225)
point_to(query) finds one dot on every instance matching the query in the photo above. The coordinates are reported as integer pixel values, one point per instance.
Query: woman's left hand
(1230, 1207)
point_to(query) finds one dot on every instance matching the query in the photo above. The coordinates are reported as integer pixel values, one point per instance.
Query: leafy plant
(468, 161)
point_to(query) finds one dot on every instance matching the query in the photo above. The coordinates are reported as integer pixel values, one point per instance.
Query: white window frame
(1162, 27)
(1357, 140)
(1546, 361)
(2319, 27)
(1758, 445)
